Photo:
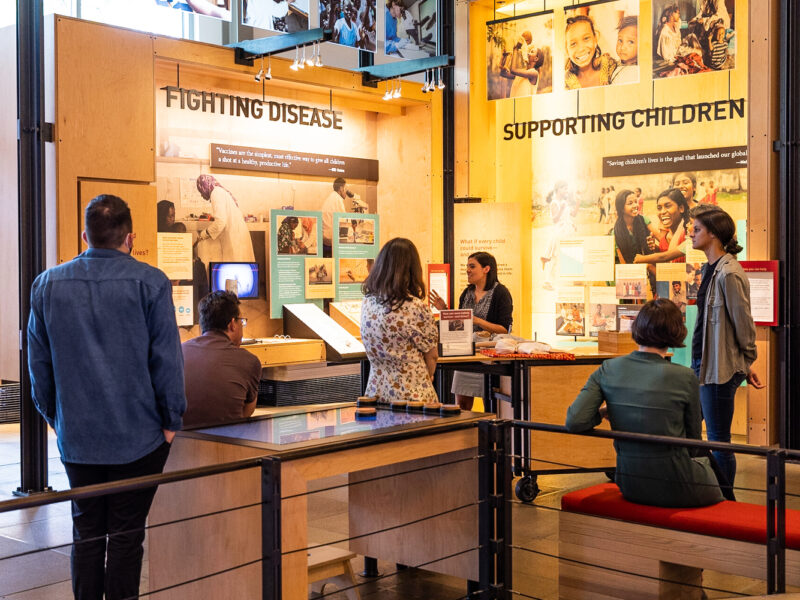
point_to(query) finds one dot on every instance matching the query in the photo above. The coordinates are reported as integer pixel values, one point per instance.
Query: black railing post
(486, 488)
(30, 175)
(271, 528)
(505, 476)
(776, 522)
(494, 517)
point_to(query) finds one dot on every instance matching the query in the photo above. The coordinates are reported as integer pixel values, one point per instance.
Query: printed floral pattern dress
(395, 342)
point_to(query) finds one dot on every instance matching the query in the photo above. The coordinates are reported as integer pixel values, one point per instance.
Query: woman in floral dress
(397, 327)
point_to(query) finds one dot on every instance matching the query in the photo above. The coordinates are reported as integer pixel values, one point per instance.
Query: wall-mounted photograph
(693, 36)
(287, 16)
(219, 9)
(519, 56)
(410, 28)
(601, 42)
(353, 22)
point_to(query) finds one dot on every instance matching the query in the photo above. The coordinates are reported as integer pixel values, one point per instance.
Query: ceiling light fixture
(295, 65)
(397, 92)
(441, 79)
(318, 62)
(260, 72)
(268, 74)
(310, 61)
(388, 94)
(302, 63)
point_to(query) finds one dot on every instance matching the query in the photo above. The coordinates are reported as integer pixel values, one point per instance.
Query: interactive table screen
(313, 425)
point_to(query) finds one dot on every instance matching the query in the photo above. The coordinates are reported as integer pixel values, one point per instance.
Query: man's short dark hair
(338, 183)
(659, 325)
(217, 310)
(107, 221)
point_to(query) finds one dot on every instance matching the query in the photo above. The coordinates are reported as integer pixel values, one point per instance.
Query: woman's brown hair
(396, 275)
(720, 224)
(659, 325)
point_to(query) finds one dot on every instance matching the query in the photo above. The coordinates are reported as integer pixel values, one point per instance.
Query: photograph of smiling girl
(519, 58)
(601, 42)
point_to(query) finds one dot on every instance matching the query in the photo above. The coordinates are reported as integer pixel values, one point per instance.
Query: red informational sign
(439, 281)
(763, 277)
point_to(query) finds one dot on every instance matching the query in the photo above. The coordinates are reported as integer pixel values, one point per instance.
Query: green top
(648, 394)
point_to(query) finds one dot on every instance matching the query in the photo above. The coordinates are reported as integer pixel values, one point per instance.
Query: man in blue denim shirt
(107, 374)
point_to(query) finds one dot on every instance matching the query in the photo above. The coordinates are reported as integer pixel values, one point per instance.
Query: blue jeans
(716, 401)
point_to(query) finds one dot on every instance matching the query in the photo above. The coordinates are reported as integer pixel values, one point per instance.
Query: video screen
(239, 278)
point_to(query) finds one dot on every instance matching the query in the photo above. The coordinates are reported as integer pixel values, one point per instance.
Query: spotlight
(397, 92)
(302, 63)
(318, 62)
(296, 64)
(310, 61)
(431, 85)
(441, 81)
(425, 87)
(268, 74)
(388, 94)
(260, 73)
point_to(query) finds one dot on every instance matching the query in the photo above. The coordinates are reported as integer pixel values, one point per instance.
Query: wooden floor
(45, 575)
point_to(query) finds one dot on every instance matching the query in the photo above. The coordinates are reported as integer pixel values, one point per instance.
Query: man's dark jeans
(108, 531)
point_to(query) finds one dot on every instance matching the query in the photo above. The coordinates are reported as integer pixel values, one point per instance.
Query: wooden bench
(646, 552)
(329, 564)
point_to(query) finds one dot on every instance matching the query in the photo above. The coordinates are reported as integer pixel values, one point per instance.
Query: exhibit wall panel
(406, 184)
(9, 224)
(105, 118)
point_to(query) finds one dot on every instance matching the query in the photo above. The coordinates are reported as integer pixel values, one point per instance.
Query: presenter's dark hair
(486, 260)
(217, 310)
(719, 224)
(338, 183)
(659, 325)
(396, 275)
(107, 221)
(162, 212)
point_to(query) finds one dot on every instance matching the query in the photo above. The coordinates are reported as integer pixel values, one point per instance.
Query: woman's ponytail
(733, 247)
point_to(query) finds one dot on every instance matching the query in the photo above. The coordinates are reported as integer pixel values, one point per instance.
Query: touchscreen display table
(410, 480)
(309, 425)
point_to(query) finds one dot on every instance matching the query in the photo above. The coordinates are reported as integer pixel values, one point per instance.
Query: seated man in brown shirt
(221, 378)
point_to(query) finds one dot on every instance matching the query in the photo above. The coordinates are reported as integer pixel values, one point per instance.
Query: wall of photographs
(612, 120)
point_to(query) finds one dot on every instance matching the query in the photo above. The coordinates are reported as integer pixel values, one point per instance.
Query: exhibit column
(789, 163)
(30, 154)
(447, 48)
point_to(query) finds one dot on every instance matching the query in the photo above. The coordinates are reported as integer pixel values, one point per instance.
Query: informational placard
(319, 277)
(602, 311)
(671, 283)
(763, 278)
(496, 228)
(589, 258)
(571, 311)
(294, 235)
(439, 282)
(309, 321)
(267, 160)
(626, 314)
(355, 246)
(183, 302)
(455, 332)
(175, 255)
(631, 282)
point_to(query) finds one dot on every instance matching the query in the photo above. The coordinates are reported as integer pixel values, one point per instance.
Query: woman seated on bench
(645, 393)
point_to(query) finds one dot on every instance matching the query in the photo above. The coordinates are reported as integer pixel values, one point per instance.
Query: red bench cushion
(732, 520)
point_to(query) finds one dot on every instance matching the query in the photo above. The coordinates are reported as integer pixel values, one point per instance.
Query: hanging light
(318, 62)
(441, 79)
(295, 65)
(260, 73)
(431, 83)
(425, 86)
(302, 63)
(268, 74)
(310, 61)
(388, 94)
(397, 92)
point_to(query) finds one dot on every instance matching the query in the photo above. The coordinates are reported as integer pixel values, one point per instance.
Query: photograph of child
(354, 270)
(297, 235)
(410, 28)
(519, 58)
(570, 320)
(693, 36)
(351, 21)
(287, 16)
(320, 271)
(602, 44)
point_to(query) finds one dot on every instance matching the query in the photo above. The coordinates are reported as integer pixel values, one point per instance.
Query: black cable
(381, 477)
(419, 566)
(651, 577)
(196, 579)
(392, 528)
(126, 532)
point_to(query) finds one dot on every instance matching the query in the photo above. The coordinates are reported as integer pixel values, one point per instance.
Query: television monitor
(241, 278)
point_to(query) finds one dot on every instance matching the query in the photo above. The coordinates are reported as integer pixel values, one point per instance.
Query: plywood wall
(9, 250)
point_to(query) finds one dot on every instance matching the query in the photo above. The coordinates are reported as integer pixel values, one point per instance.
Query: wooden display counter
(273, 352)
(227, 538)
